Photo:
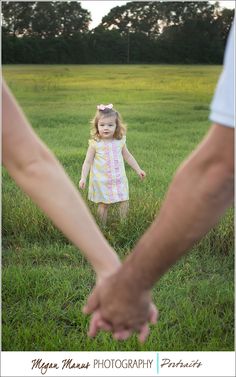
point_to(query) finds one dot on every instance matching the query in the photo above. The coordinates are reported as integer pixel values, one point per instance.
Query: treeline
(185, 32)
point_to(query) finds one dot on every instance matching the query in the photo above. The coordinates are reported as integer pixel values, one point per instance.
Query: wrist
(129, 280)
(108, 269)
(141, 266)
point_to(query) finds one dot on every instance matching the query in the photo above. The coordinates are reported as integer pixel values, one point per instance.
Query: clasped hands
(119, 306)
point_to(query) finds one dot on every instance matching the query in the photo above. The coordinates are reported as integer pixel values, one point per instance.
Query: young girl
(105, 160)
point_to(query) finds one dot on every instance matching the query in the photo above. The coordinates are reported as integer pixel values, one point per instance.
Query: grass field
(45, 279)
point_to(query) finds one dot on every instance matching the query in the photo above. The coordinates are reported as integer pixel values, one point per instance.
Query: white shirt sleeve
(222, 105)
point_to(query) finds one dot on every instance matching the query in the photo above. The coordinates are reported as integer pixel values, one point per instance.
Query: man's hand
(119, 309)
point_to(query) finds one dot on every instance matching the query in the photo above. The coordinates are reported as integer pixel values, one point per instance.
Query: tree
(72, 18)
(17, 17)
(139, 31)
(134, 17)
(177, 13)
(224, 21)
(106, 46)
(196, 34)
(45, 19)
(45, 24)
(54, 19)
(150, 17)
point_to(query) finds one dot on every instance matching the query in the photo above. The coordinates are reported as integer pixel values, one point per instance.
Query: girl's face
(107, 127)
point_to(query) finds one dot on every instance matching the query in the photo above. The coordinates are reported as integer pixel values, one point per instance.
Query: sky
(99, 8)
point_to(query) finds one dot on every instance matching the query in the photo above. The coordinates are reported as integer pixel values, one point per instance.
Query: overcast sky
(99, 9)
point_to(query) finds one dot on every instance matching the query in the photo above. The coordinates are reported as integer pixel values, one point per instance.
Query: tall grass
(45, 279)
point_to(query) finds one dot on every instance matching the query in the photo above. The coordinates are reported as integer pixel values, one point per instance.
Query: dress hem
(100, 201)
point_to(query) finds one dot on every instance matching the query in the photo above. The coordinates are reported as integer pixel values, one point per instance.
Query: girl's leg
(102, 212)
(124, 207)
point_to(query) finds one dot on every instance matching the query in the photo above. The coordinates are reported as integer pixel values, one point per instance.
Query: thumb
(153, 313)
(92, 303)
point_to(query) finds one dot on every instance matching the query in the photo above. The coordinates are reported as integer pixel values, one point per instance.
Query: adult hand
(120, 309)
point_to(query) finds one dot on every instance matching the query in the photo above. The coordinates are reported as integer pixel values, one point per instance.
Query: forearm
(132, 163)
(85, 170)
(197, 197)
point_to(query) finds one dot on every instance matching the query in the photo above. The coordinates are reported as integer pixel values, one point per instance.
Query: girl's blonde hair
(120, 126)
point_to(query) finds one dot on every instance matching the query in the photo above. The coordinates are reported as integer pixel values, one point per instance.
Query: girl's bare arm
(87, 163)
(129, 158)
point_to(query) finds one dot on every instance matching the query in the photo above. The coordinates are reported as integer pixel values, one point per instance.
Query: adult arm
(39, 174)
(199, 194)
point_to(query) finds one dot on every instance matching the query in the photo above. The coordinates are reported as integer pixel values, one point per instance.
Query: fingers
(142, 175)
(82, 185)
(104, 325)
(98, 323)
(92, 304)
(143, 333)
(122, 334)
(125, 334)
(94, 324)
(153, 314)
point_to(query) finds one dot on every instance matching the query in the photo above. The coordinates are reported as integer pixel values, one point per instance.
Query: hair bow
(103, 107)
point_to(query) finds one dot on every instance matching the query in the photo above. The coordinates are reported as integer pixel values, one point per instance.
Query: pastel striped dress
(107, 181)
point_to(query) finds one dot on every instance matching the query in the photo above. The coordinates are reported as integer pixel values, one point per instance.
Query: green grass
(45, 279)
